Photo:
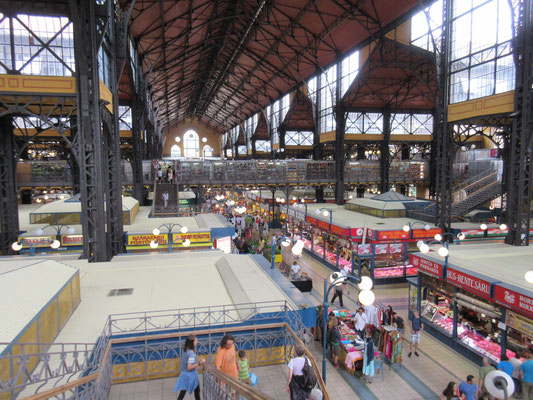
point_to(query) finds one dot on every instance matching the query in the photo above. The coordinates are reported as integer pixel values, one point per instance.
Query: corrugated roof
(26, 287)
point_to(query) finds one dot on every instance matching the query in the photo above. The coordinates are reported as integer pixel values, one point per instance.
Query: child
(244, 371)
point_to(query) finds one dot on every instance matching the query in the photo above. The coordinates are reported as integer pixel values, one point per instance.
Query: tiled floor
(421, 377)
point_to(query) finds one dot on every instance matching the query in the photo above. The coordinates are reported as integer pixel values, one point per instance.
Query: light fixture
(366, 283)
(337, 276)
(503, 227)
(438, 237)
(184, 229)
(483, 226)
(71, 230)
(443, 252)
(528, 276)
(366, 297)
(424, 248)
(286, 242)
(156, 232)
(186, 243)
(16, 246)
(317, 212)
(61, 197)
(294, 198)
(177, 139)
(55, 244)
(296, 250)
(406, 228)
(461, 236)
(419, 243)
(39, 231)
(325, 213)
(46, 197)
(154, 244)
(204, 140)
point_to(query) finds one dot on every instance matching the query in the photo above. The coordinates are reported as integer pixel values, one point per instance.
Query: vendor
(295, 270)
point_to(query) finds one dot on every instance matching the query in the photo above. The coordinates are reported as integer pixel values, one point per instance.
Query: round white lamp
(366, 283)
(296, 250)
(337, 276)
(16, 246)
(154, 244)
(426, 227)
(55, 244)
(184, 229)
(204, 140)
(186, 243)
(406, 228)
(366, 297)
(438, 237)
(528, 276)
(156, 232)
(325, 213)
(71, 230)
(39, 231)
(419, 243)
(483, 226)
(177, 139)
(424, 248)
(503, 227)
(443, 252)
(496, 381)
(461, 236)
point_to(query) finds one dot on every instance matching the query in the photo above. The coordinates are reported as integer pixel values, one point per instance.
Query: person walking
(165, 198)
(319, 323)
(335, 337)
(505, 366)
(360, 321)
(226, 357)
(159, 175)
(468, 388)
(265, 229)
(451, 392)
(244, 369)
(526, 374)
(485, 368)
(416, 329)
(188, 380)
(295, 377)
(516, 361)
(368, 357)
(338, 293)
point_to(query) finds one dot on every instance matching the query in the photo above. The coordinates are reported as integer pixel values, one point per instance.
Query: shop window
(191, 144)
(175, 151)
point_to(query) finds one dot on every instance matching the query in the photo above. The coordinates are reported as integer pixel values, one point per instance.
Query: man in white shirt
(360, 320)
(295, 270)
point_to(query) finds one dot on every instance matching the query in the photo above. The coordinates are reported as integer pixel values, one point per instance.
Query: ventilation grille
(120, 292)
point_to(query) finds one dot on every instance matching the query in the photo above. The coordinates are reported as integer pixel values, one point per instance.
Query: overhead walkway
(236, 173)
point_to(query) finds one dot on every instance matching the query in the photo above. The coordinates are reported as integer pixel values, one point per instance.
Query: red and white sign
(369, 233)
(422, 233)
(476, 285)
(393, 235)
(363, 249)
(358, 232)
(396, 248)
(381, 249)
(514, 299)
(426, 265)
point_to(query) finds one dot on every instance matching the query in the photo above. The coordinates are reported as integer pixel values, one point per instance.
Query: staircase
(170, 208)
(472, 193)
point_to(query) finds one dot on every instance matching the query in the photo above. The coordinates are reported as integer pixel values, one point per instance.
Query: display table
(303, 285)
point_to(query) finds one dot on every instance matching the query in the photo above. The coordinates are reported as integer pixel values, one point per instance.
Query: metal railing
(219, 386)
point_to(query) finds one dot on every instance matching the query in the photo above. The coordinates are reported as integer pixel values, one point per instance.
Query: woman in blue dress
(188, 379)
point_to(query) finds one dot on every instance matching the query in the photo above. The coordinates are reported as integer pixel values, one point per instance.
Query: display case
(519, 332)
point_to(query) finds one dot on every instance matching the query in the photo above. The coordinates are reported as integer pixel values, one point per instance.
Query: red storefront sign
(383, 235)
(357, 232)
(311, 220)
(426, 265)
(422, 233)
(369, 233)
(476, 285)
(514, 299)
(338, 230)
(323, 225)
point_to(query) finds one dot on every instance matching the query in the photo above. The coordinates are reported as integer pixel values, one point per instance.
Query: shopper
(295, 377)
(399, 322)
(387, 316)
(265, 229)
(360, 321)
(468, 388)
(159, 175)
(485, 368)
(295, 270)
(244, 369)
(416, 329)
(526, 374)
(451, 392)
(188, 380)
(319, 324)
(516, 362)
(338, 293)
(335, 336)
(226, 360)
(505, 366)
(368, 357)
(165, 198)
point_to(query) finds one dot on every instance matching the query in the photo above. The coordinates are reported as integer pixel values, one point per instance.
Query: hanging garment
(397, 353)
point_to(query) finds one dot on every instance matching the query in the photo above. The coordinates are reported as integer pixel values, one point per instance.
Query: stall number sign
(513, 299)
(426, 265)
(144, 240)
(477, 285)
(36, 241)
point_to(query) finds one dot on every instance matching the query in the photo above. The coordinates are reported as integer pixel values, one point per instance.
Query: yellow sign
(194, 237)
(520, 323)
(144, 240)
(36, 241)
(71, 240)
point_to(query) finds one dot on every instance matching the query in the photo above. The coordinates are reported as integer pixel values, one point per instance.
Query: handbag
(253, 378)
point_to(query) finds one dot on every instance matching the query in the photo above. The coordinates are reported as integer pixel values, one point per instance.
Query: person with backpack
(301, 378)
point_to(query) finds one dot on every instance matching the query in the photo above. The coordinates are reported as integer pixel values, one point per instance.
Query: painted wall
(213, 139)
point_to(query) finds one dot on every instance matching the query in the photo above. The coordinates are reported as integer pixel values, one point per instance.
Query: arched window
(191, 144)
(175, 151)
(208, 151)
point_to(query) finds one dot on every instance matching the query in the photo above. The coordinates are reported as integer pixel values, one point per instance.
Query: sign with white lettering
(476, 285)
(514, 299)
(426, 265)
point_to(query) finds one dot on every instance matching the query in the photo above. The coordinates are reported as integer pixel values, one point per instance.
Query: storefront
(472, 312)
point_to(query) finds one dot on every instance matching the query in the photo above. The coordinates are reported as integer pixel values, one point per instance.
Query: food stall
(470, 305)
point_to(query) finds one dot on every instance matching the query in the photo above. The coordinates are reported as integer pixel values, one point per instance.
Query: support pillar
(137, 160)
(340, 116)
(89, 151)
(282, 131)
(384, 184)
(319, 195)
(254, 151)
(9, 217)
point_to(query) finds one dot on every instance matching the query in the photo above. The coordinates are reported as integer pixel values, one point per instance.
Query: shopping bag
(253, 378)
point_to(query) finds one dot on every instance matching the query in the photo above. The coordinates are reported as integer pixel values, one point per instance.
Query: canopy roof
(221, 61)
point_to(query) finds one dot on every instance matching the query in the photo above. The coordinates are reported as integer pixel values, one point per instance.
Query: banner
(144, 240)
(422, 233)
(426, 265)
(71, 240)
(36, 241)
(520, 323)
(476, 285)
(194, 237)
(383, 235)
(514, 299)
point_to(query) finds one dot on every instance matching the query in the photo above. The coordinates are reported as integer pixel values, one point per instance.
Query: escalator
(166, 200)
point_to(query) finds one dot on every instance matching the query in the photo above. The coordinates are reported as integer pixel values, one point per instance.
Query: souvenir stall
(469, 310)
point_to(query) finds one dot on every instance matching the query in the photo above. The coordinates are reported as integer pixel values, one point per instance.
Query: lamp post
(409, 227)
(285, 241)
(443, 239)
(484, 227)
(303, 205)
(54, 244)
(326, 212)
(170, 241)
(366, 297)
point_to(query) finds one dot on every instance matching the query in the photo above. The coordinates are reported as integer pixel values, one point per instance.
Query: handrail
(470, 195)
(477, 181)
(313, 362)
(240, 387)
